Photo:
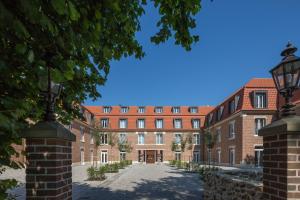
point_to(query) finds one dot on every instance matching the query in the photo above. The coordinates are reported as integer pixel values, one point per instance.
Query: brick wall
(49, 172)
(281, 166)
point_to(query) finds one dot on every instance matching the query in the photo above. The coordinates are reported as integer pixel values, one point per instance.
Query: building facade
(234, 124)
(149, 134)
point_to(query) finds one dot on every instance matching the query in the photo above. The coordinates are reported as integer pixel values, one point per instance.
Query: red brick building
(150, 132)
(234, 123)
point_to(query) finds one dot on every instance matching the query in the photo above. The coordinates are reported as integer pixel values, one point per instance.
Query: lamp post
(49, 151)
(286, 77)
(281, 138)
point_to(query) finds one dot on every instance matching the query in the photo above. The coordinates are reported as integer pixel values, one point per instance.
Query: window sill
(231, 138)
(82, 141)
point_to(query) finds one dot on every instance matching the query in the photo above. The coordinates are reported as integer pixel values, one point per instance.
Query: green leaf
(59, 6)
(20, 29)
(21, 48)
(30, 56)
(74, 14)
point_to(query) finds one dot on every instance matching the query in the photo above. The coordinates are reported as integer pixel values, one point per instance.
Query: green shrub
(95, 174)
(172, 162)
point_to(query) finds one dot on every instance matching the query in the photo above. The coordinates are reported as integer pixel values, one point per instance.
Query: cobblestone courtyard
(137, 182)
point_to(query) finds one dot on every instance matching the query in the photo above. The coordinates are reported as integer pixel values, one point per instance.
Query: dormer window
(193, 110)
(210, 118)
(141, 110)
(124, 109)
(106, 109)
(158, 109)
(220, 113)
(260, 99)
(176, 109)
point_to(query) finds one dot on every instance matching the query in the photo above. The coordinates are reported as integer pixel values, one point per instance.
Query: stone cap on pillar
(48, 129)
(286, 125)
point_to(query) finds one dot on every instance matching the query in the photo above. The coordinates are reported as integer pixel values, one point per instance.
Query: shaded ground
(146, 182)
(137, 182)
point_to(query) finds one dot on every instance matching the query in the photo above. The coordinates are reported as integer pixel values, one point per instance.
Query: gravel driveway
(137, 182)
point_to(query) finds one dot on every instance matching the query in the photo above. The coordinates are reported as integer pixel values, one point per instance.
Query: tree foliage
(77, 40)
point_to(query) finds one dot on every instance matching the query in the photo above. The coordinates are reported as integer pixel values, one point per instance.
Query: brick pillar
(49, 160)
(281, 160)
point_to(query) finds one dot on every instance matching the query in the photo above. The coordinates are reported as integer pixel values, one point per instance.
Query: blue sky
(239, 40)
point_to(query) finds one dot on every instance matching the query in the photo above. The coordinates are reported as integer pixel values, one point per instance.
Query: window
(218, 133)
(104, 123)
(176, 109)
(258, 156)
(81, 134)
(122, 138)
(122, 155)
(231, 107)
(92, 139)
(220, 113)
(159, 123)
(196, 123)
(219, 156)
(124, 109)
(158, 109)
(260, 99)
(177, 138)
(106, 109)
(193, 110)
(159, 138)
(231, 156)
(197, 139)
(232, 130)
(210, 118)
(104, 138)
(141, 123)
(177, 123)
(123, 123)
(141, 138)
(259, 123)
(177, 155)
(196, 156)
(141, 110)
(236, 102)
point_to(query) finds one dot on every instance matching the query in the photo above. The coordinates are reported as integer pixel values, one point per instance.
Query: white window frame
(104, 122)
(196, 139)
(255, 124)
(193, 110)
(159, 138)
(176, 121)
(178, 155)
(121, 138)
(141, 138)
(231, 131)
(162, 123)
(219, 135)
(141, 109)
(197, 153)
(121, 124)
(196, 122)
(124, 109)
(106, 109)
(177, 138)
(141, 123)
(158, 109)
(176, 109)
(260, 103)
(82, 134)
(104, 138)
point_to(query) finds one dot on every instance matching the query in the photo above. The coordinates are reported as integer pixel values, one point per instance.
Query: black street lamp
(286, 77)
(51, 92)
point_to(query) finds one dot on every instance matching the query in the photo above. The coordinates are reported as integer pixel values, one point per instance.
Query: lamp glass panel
(279, 77)
(55, 88)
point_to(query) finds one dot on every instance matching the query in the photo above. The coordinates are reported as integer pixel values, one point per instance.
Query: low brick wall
(222, 186)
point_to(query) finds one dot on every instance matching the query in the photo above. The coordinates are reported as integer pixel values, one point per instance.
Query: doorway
(104, 157)
(150, 156)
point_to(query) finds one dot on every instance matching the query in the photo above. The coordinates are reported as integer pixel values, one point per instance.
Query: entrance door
(150, 156)
(104, 157)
